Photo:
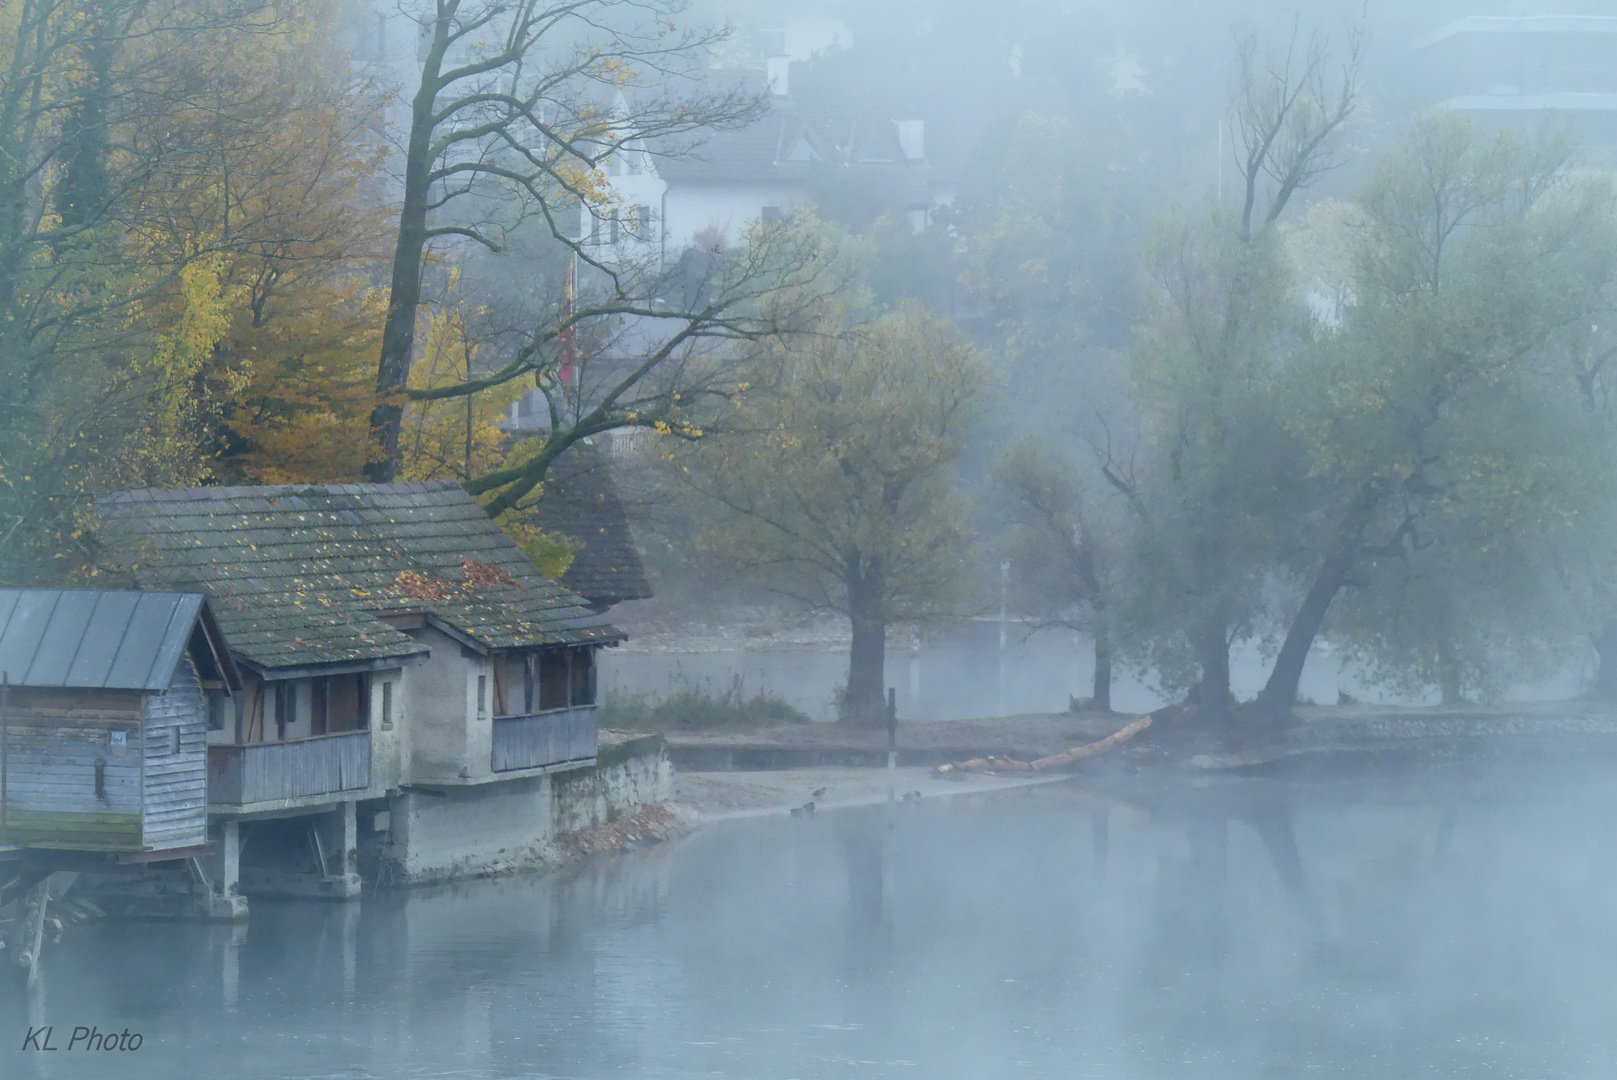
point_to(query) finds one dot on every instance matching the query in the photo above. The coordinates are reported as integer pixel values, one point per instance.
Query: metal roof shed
(104, 732)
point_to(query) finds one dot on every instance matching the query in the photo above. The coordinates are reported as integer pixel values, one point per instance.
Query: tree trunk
(1213, 654)
(867, 665)
(1101, 694)
(1605, 643)
(404, 295)
(1279, 693)
(867, 658)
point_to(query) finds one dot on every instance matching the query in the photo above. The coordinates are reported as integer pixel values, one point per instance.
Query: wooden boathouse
(416, 694)
(103, 722)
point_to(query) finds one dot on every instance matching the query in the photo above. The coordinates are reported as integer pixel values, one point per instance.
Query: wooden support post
(34, 936)
(5, 755)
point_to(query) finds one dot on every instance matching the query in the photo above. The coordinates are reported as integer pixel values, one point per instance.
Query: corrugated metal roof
(94, 639)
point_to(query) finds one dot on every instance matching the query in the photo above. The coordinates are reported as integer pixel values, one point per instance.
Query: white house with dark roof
(1522, 71)
(411, 682)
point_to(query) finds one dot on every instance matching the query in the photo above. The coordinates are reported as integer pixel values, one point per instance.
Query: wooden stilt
(34, 936)
(5, 755)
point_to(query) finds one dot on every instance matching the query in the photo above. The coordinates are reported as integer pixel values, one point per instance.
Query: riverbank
(754, 793)
(1322, 732)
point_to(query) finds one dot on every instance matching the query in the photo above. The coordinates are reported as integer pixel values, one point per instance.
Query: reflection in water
(1238, 930)
(862, 836)
(1100, 837)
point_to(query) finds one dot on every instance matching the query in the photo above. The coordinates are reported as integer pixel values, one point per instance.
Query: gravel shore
(718, 795)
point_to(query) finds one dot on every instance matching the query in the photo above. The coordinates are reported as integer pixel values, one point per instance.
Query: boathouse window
(286, 709)
(482, 695)
(218, 702)
(387, 706)
(516, 681)
(566, 678)
(553, 692)
(338, 703)
(582, 683)
(174, 739)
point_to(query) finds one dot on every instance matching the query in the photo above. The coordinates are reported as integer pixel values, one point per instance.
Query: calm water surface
(1430, 926)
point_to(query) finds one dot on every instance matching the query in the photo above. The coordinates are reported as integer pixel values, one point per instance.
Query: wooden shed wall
(176, 784)
(55, 742)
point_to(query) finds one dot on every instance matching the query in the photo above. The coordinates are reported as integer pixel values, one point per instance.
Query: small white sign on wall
(120, 738)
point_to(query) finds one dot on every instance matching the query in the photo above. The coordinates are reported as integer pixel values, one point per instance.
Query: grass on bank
(699, 708)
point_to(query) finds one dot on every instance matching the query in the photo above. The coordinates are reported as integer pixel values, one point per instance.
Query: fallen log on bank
(993, 763)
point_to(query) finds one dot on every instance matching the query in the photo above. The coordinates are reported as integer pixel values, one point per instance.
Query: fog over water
(1449, 925)
(1268, 348)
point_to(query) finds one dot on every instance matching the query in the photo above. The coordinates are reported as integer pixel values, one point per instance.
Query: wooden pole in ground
(5, 754)
(892, 744)
(35, 935)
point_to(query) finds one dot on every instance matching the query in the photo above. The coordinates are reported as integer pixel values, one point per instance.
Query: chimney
(775, 70)
(912, 139)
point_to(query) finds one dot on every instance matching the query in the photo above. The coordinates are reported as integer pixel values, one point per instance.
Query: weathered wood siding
(176, 784)
(554, 737)
(55, 743)
(282, 772)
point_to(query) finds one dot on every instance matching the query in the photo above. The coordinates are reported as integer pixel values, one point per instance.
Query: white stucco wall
(515, 824)
(390, 743)
(692, 208)
(445, 732)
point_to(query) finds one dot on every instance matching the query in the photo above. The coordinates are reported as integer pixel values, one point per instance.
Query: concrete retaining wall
(455, 832)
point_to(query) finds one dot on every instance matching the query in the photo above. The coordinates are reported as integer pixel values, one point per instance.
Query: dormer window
(803, 150)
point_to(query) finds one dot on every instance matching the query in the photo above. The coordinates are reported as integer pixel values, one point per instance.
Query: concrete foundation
(455, 832)
(225, 900)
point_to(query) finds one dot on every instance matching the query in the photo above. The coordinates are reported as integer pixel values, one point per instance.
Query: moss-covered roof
(299, 574)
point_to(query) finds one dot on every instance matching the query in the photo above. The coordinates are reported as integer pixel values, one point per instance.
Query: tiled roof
(298, 573)
(581, 501)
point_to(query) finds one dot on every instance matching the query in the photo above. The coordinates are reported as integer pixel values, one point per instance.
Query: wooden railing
(552, 737)
(299, 769)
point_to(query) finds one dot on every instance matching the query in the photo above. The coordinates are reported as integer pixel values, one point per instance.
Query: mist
(794, 538)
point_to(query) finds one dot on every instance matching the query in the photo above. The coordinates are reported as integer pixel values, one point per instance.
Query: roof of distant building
(824, 121)
(581, 501)
(1521, 24)
(1568, 102)
(92, 639)
(301, 574)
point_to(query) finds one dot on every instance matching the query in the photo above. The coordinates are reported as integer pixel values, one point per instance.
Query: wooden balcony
(289, 772)
(539, 740)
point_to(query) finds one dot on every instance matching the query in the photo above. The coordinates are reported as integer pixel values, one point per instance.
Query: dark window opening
(553, 679)
(218, 703)
(286, 709)
(583, 676)
(338, 703)
(566, 678)
(516, 685)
